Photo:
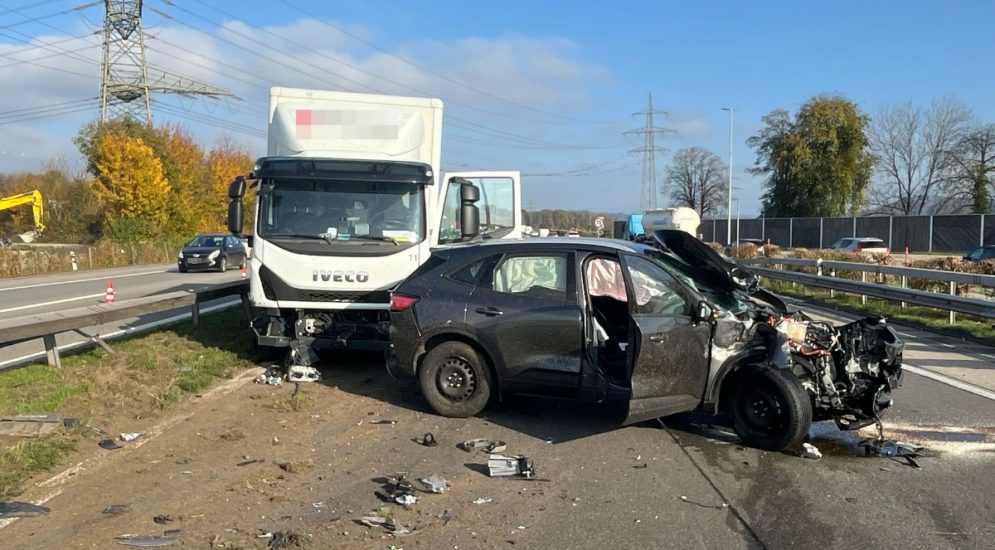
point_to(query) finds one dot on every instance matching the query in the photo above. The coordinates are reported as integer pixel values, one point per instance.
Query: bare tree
(975, 157)
(697, 179)
(914, 148)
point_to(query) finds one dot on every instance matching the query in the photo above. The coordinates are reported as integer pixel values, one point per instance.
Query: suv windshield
(341, 213)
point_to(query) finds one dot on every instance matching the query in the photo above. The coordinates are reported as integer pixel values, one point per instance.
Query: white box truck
(349, 201)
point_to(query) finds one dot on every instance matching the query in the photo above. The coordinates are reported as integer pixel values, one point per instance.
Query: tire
(223, 266)
(455, 379)
(770, 410)
(183, 269)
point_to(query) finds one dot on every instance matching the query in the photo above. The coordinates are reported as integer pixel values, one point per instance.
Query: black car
(212, 251)
(986, 252)
(669, 328)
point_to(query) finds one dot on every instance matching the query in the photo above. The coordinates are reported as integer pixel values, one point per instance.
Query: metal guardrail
(47, 325)
(950, 302)
(899, 271)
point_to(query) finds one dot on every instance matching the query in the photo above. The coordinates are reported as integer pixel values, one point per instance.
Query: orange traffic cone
(243, 272)
(109, 294)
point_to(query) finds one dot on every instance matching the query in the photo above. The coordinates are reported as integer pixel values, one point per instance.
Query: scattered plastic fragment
(383, 421)
(21, 510)
(390, 524)
(406, 500)
(435, 483)
(810, 451)
(70, 423)
(272, 377)
(108, 444)
(713, 506)
(163, 518)
(183, 461)
(428, 440)
(486, 445)
(115, 509)
(253, 461)
(894, 449)
(318, 504)
(131, 436)
(167, 538)
(482, 500)
(503, 465)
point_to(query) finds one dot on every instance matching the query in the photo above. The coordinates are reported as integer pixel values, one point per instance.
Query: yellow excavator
(34, 199)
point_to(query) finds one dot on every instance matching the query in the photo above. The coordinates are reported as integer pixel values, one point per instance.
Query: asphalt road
(45, 293)
(679, 483)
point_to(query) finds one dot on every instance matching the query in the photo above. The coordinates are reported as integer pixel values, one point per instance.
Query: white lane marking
(970, 388)
(945, 345)
(988, 356)
(53, 302)
(86, 343)
(86, 280)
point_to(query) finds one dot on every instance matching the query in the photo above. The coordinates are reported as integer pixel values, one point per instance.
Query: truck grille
(275, 288)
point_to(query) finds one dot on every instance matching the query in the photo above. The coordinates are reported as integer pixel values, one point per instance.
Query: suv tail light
(401, 302)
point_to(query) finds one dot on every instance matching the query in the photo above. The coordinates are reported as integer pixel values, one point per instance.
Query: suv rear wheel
(770, 410)
(455, 379)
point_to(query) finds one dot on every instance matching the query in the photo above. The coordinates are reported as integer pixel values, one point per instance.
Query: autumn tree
(915, 150)
(130, 182)
(224, 162)
(817, 164)
(696, 178)
(185, 168)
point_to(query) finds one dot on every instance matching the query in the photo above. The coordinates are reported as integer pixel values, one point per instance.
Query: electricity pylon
(125, 87)
(648, 190)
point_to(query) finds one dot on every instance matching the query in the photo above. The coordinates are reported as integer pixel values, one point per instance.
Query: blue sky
(547, 88)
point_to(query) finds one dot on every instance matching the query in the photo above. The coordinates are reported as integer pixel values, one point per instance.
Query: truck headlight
(215, 254)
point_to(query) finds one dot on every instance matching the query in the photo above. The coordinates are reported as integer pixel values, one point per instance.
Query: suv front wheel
(770, 410)
(455, 379)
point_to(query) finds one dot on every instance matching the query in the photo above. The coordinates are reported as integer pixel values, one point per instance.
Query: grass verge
(145, 375)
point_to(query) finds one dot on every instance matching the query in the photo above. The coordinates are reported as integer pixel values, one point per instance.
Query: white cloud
(512, 73)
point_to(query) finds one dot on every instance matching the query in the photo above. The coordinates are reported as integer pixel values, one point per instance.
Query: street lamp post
(729, 207)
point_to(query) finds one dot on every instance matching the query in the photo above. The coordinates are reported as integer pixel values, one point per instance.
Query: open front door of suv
(671, 355)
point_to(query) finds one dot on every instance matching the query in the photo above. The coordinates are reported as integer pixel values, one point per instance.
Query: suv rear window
(873, 243)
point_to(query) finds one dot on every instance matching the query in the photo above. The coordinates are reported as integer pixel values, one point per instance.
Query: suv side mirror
(705, 312)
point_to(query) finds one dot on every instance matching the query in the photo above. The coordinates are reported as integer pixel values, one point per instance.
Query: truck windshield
(342, 212)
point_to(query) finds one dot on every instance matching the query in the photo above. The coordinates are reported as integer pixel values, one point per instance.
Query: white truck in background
(349, 202)
(681, 218)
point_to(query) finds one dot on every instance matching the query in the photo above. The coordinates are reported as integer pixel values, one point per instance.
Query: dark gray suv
(669, 328)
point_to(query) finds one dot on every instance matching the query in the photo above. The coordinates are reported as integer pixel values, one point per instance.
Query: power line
(326, 56)
(426, 69)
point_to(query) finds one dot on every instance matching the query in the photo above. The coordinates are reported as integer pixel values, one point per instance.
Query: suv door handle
(490, 311)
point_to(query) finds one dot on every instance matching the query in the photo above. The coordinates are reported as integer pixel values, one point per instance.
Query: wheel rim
(456, 379)
(762, 410)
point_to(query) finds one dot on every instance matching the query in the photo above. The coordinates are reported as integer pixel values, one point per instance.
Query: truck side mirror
(469, 213)
(236, 189)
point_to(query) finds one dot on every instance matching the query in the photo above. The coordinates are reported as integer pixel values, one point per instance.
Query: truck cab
(349, 203)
